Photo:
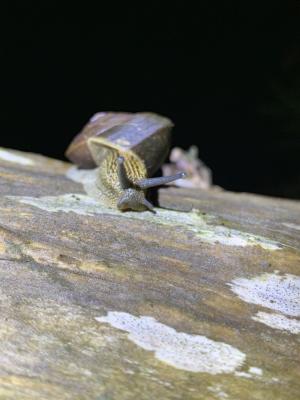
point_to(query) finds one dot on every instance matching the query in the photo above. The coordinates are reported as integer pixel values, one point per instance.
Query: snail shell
(128, 148)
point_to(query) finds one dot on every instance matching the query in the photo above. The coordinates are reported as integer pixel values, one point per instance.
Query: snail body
(128, 149)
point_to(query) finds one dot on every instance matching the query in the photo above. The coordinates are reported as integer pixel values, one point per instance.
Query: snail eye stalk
(152, 182)
(122, 175)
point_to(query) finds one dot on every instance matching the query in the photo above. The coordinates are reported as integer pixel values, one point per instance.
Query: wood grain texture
(200, 301)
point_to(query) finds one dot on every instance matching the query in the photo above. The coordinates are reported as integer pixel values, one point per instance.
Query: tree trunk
(198, 301)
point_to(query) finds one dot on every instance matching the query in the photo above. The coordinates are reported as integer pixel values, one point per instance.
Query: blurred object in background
(198, 175)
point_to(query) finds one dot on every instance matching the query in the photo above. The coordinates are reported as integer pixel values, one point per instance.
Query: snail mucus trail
(128, 149)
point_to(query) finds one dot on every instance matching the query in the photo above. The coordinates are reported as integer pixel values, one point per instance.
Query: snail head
(133, 196)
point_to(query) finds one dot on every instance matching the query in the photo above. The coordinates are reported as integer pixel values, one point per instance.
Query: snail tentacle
(122, 175)
(148, 205)
(152, 182)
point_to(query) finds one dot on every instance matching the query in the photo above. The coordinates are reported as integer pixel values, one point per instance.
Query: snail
(127, 148)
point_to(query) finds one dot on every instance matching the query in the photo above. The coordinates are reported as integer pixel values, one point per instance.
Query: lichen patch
(203, 227)
(255, 371)
(71, 202)
(291, 225)
(218, 391)
(276, 292)
(195, 353)
(278, 321)
(13, 157)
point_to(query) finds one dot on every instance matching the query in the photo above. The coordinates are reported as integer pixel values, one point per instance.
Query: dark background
(227, 74)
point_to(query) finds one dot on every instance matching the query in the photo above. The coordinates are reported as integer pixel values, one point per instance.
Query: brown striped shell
(146, 135)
